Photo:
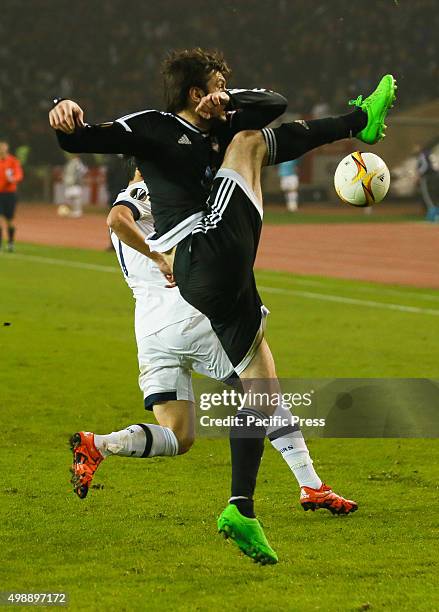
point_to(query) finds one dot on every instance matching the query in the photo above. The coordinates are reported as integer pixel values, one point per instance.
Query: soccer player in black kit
(202, 161)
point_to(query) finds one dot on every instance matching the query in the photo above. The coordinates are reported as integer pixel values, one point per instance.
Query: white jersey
(157, 306)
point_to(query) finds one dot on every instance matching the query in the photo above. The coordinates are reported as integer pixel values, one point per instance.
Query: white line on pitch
(324, 297)
(382, 290)
(63, 262)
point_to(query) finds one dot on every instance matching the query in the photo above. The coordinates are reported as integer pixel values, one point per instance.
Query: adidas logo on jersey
(184, 140)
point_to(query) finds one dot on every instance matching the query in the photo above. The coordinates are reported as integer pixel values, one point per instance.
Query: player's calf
(185, 443)
(178, 416)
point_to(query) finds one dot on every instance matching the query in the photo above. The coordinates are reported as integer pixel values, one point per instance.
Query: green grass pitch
(147, 540)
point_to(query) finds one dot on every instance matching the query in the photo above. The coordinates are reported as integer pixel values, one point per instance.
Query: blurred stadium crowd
(106, 55)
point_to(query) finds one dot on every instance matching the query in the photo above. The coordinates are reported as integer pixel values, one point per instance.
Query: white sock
(288, 440)
(143, 440)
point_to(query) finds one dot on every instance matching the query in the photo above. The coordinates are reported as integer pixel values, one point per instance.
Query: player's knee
(245, 152)
(185, 442)
(247, 139)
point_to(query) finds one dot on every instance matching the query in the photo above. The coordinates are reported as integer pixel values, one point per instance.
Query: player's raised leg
(367, 123)
(173, 436)
(250, 150)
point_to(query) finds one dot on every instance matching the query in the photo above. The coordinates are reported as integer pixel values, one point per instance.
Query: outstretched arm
(75, 136)
(254, 108)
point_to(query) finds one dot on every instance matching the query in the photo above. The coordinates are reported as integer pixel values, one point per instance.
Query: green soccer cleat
(376, 107)
(248, 535)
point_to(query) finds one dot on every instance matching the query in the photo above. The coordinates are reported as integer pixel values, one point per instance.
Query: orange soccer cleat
(313, 499)
(86, 460)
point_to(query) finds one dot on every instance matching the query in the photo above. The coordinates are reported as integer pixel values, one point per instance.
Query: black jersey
(178, 161)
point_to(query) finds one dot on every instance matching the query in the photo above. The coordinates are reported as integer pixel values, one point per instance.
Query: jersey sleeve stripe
(123, 120)
(133, 208)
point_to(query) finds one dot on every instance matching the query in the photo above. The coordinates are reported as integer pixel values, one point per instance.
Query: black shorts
(213, 267)
(8, 202)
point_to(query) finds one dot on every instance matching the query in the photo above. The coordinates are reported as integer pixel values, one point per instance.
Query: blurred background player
(427, 164)
(289, 183)
(73, 182)
(11, 173)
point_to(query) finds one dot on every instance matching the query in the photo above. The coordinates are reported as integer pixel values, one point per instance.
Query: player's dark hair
(130, 166)
(182, 70)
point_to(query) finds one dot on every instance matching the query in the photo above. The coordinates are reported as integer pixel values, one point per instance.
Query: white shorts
(167, 358)
(73, 192)
(289, 183)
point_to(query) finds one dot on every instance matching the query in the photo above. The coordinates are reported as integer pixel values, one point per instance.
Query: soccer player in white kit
(174, 339)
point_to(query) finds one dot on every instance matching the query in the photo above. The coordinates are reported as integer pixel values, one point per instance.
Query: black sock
(11, 234)
(291, 140)
(247, 446)
(245, 507)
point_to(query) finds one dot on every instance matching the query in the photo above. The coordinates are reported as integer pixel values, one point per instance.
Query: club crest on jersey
(138, 193)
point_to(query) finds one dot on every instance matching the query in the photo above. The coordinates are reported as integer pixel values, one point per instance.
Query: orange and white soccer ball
(362, 179)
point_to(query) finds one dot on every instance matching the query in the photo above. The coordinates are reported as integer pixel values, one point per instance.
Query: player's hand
(165, 268)
(213, 105)
(171, 281)
(66, 116)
